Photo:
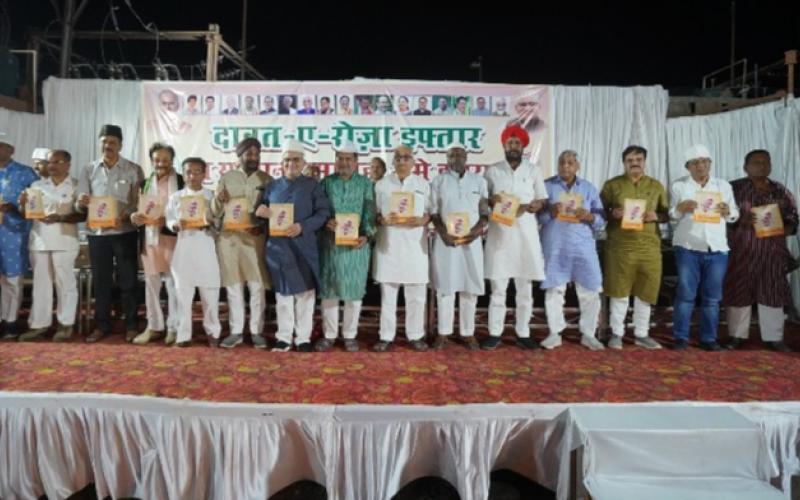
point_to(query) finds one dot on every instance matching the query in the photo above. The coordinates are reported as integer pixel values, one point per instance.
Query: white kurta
(194, 263)
(515, 251)
(459, 268)
(401, 253)
(53, 249)
(55, 200)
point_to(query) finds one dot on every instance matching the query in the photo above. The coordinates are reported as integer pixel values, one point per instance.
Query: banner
(208, 119)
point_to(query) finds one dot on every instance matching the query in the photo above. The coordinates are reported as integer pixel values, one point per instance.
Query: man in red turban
(518, 132)
(513, 250)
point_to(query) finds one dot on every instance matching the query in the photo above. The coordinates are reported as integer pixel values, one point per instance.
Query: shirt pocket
(120, 190)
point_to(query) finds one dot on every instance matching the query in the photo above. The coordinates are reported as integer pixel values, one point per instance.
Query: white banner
(208, 119)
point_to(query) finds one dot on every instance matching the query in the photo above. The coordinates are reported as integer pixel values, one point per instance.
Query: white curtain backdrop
(600, 122)
(151, 448)
(729, 136)
(76, 109)
(27, 130)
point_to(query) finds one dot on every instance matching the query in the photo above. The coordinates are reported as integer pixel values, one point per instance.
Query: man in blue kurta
(344, 268)
(570, 253)
(14, 230)
(293, 259)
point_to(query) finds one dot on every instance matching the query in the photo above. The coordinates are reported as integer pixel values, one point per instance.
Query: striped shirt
(757, 267)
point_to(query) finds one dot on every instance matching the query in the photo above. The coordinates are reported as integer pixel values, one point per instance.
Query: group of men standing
(548, 237)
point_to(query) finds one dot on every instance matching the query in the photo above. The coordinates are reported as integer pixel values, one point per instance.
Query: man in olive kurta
(344, 269)
(632, 258)
(241, 252)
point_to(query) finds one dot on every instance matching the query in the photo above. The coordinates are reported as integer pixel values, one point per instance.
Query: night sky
(603, 43)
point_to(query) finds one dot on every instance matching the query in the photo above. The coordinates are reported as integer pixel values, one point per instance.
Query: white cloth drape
(29, 131)
(600, 122)
(76, 109)
(56, 444)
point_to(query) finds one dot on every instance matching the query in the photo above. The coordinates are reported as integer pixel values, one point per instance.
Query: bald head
(403, 161)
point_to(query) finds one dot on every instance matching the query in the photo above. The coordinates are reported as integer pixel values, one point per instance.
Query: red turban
(518, 132)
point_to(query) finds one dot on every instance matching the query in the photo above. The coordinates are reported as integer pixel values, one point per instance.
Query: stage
(569, 374)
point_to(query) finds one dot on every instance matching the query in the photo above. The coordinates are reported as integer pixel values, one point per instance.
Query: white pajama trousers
(152, 301)
(466, 313)
(588, 300)
(295, 314)
(330, 318)
(50, 268)
(415, 310)
(258, 305)
(209, 298)
(641, 316)
(497, 307)
(770, 322)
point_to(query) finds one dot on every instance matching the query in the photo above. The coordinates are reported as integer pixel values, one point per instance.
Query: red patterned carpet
(453, 376)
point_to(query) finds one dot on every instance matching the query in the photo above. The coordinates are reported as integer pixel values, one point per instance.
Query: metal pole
(66, 38)
(212, 52)
(243, 46)
(733, 40)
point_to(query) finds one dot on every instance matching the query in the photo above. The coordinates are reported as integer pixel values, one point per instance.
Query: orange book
(505, 210)
(150, 207)
(193, 212)
(707, 206)
(633, 217)
(768, 221)
(458, 225)
(401, 206)
(570, 203)
(347, 229)
(281, 218)
(34, 206)
(102, 212)
(237, 215)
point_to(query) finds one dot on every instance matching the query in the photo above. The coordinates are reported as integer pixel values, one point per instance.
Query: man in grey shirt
(112, 249)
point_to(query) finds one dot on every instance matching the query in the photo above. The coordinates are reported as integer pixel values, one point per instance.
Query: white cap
(695, 152)
(292, 145)
(347, 146)
(40, 154)
(456, 144)
(6, 139)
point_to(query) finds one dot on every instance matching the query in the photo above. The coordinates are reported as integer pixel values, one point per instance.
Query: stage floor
(569, 374)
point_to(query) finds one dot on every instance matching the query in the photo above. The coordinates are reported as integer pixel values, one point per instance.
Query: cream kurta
(241, 254)
(515, 251)
(401, 253)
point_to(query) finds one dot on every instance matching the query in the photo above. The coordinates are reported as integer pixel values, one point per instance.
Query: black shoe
(10, 332)
(527, 343)
(490, 343)
(777, 346)
(734, 343)
(710, 346)
(282, 346)
(680, 345)
(381, 346)
(304, 347)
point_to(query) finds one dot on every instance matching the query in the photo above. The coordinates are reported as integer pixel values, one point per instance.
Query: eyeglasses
(59, 162)
(403, 157)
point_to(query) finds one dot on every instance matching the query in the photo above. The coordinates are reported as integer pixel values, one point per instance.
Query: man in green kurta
(344, 267)
(632, 256)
